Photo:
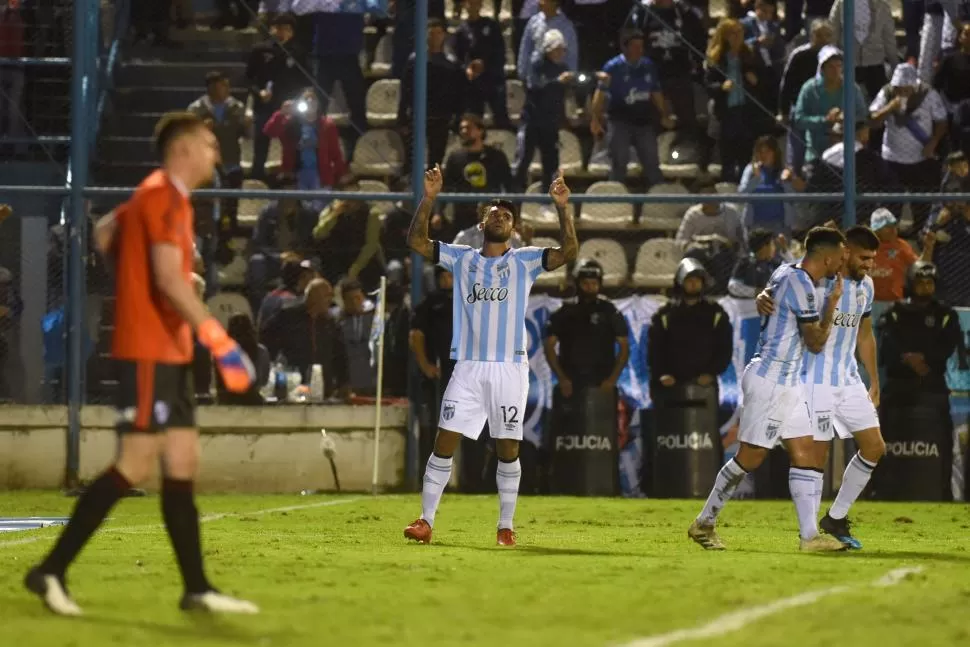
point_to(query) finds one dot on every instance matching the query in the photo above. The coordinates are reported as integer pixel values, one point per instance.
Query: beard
(492, 236)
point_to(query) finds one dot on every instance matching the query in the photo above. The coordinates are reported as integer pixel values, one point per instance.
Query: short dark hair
(862, 236)
(437, 22)
(501, 204)
(285, 19)
(821, 237)
(758, 238)
(215, 76)
(472, 118)
(173, 125)
(350, 285)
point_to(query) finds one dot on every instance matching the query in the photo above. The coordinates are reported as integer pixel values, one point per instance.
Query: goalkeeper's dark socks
(182, 522)
(90, 512)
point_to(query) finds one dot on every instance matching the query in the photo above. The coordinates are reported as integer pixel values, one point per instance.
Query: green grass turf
(586, 572)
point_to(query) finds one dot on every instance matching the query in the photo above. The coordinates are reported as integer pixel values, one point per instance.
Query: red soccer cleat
(419, 530)
(505, 537)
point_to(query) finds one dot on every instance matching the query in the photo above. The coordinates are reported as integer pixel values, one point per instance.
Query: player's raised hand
(235, 367)
(432, 182)
(765, 304)
(558, 190)
(837, 288)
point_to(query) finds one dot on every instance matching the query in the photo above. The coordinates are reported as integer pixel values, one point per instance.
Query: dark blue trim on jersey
(802, 320)
(545, 259)
(866, 314)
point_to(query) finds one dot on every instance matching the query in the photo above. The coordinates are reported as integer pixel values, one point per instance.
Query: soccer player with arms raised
(774, 405)
(490, 381)
(150, 240)
(837, 397)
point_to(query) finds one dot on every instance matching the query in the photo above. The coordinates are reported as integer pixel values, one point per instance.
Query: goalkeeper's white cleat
(215, 602)
(53, 592)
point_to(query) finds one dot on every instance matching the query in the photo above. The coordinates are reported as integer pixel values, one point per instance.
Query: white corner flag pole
(379, 350)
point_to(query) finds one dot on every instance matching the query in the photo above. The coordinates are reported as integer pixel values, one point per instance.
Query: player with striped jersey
(490, 381)
(837, 396)
(773, 398)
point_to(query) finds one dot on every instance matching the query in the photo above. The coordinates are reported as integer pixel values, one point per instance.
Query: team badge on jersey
(503, 271)
(860, 297)
(448, 411)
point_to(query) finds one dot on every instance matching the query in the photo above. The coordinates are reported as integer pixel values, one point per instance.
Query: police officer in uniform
(689, 343)
(919, 334)
(430, 341)
(593, 341)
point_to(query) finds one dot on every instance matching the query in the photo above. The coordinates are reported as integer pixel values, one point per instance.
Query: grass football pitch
(586, 572)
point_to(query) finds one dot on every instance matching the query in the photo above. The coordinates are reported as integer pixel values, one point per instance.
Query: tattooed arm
(418, 239)
(567, 251)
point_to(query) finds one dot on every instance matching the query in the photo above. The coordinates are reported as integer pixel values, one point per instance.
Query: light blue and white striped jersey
(836, 365)
(781, 347)
(491, 294)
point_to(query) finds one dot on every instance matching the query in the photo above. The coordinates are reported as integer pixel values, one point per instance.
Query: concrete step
(122, 150)
(129, 174)
(131, 124)
(157, 99)
(177, 74)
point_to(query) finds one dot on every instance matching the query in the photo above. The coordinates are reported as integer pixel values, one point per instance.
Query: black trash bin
(919, 450)
(687, 450)
(583, 444)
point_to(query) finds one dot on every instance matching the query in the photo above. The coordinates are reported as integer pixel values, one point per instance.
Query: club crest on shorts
(161, 412)
(448, 411)
(772, 430)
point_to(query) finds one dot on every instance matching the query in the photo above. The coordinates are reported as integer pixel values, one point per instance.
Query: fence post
(419, 128)
(86, 14)
(848, 111)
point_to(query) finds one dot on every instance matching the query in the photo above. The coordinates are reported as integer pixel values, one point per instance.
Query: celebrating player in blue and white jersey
(774, 405)
(491, 377)
(837, 396)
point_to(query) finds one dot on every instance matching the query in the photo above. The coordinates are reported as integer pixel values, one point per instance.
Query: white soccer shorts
(842, 410)
(771, 412)
(486, 391)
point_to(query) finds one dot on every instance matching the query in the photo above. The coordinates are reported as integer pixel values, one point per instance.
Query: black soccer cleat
(52, 590)
(841, 530)
(215, 602)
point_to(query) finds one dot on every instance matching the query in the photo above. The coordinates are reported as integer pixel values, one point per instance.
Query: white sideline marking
(204, 519)
(736, 620)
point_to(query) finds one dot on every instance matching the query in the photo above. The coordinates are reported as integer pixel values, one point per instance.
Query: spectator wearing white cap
(544, 110)
(531, 49)
(916, 122)
(893, 257)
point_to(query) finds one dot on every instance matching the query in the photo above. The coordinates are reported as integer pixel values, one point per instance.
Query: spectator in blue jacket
(531, 53)
(762, 32)
(767, 174)
(629, 93)
(752, 272)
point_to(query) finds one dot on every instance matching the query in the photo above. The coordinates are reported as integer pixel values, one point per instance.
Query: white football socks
(854, 480)
(725, 484)
(803, 485)
(436, 477)
(507, 478)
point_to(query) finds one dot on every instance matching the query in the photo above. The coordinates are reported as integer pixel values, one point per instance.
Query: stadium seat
(337, 108)
(608, 215)
(664, 216)
(504, 140)
(656, 263)
(382, 100)
(379, 153)
(610, 255)
(273, 159)
(549, 279)
(376, 186)
(570, 155)
(225, 304)
(726, 187)
(541, 215)
(677, 158)
(383, 54)
(515, 98)
(249, 208)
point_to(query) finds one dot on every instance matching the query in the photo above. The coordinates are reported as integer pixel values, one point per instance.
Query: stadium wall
(244, 449)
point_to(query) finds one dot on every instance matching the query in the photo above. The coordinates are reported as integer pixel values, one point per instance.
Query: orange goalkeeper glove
(234, 365)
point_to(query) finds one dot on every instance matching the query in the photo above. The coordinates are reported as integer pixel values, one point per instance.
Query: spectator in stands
(226, 117)
(234, 13)
(397, 328)
(394, 229)
(403, 38)
(446, 85)
(801, 67)
(752, 272)
(766, 173)
(813, 10)
(819, 104)
(338, 42)
(275, 73)
(475, 168)
(894, 256)
(284, 224)
(949, 229)
(629, 93)
(544, 109)
(913, 11)
(532, 50)
(479, 46)
(712, 218)
(311, 144)
(941, 25)
(430, 341)
(305, 333)
(952, 77)
(736, 81)
(598, 27)
(875, 37)
(674, 34)
(355, 323)
(348, 236)
(916, 123)
(13, 44)
(690, 338)
(11, 307)
(762, 33)
(295, 274)
(242, 330)
(152, 20)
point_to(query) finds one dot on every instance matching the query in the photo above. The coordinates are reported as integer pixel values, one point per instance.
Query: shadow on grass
(874, 555)
(543, 551)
